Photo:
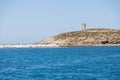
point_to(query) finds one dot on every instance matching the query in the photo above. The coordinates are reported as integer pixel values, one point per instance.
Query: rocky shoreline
(25, 46)
(88, 37)
(50, 46)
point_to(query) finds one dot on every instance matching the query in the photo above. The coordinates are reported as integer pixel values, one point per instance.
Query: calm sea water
(78, 63)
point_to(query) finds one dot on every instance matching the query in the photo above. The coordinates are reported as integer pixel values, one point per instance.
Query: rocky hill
(89, 37)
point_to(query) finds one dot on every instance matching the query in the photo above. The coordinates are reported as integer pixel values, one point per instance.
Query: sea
(65, 63)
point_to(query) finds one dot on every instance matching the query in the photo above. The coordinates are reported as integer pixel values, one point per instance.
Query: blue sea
(74, 63)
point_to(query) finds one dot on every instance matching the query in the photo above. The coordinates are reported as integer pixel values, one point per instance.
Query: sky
(29, 21)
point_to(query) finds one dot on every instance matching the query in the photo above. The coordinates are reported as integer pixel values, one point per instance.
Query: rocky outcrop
(89, 37)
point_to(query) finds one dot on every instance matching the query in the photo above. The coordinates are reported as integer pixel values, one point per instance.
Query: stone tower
(83, 26)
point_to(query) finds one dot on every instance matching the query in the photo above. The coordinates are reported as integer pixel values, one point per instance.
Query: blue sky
(29, 21)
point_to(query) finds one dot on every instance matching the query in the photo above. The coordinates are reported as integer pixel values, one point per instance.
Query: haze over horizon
(29, 21)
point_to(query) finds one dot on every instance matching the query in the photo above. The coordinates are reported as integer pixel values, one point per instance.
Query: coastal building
(83, 26)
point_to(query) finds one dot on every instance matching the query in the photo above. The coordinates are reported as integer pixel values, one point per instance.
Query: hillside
(89, 37)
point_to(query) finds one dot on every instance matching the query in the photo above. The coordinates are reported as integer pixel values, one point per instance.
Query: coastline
(26, 46)
(87, 37)
(52, 46)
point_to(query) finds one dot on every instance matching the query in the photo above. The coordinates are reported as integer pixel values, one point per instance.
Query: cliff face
(83, 38)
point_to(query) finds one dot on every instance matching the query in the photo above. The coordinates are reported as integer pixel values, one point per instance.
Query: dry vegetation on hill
(88, 37)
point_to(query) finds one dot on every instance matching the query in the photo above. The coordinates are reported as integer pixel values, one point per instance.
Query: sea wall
(26, 46)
